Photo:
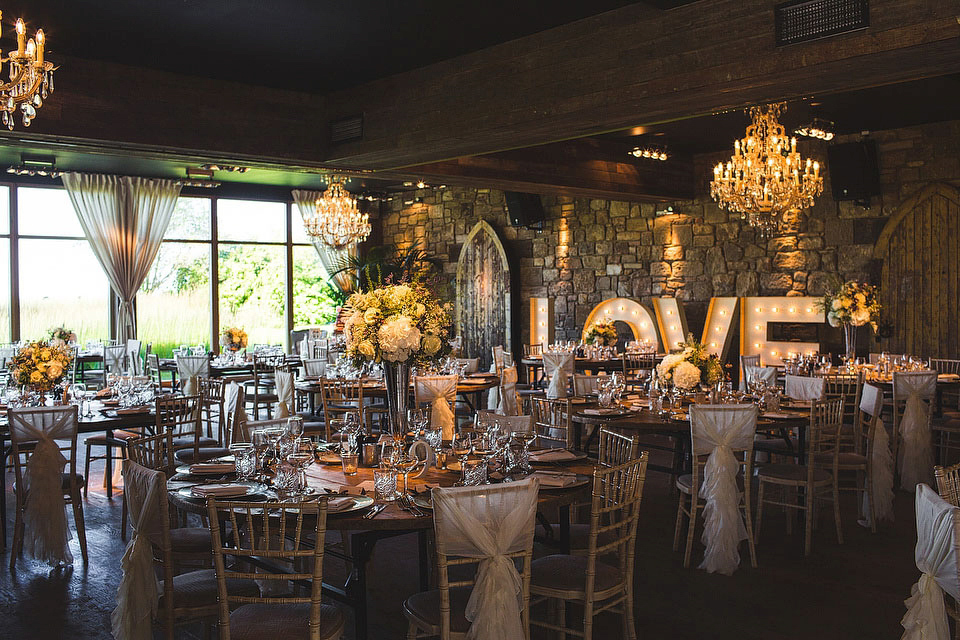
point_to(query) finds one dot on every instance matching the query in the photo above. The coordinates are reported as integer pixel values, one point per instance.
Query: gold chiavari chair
(340, 396)
(948, 483)
(552, 422)
(263, 384)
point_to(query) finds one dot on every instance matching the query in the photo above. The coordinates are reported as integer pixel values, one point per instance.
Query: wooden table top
(393, 518)
(679, 421)
(377, 388)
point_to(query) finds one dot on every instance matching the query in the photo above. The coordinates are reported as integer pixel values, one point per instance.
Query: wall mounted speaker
(854, 170)
(524, 209)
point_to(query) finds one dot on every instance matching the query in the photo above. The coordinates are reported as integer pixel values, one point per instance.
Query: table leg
(108, 472)
(363, 548)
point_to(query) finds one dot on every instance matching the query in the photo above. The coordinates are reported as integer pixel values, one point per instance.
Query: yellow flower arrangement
(41, 365)
(602, 333)
(233, 339)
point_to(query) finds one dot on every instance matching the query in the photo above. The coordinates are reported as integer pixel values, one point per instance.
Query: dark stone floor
(851, 591)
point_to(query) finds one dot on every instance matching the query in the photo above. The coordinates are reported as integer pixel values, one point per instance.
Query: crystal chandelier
(766, 177)
(31, 78)
(336, 221)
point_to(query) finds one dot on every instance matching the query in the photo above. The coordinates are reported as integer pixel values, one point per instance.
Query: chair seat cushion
(184, 442)
(792, 472)
(425, 606)
(185, 456)
(287, 621)
(567, 573)
(191, 540)
(199, 589)
(846, 459)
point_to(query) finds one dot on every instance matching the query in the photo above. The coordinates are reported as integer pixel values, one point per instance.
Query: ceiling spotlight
(421, 184)
(650, 153)
(819, 129)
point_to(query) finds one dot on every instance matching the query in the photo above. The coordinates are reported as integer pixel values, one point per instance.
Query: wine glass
(418, 421)
(524, 438)
(261, 444)
(406, 464)
(301, 454)
(390, 452)
(295, 426)
(461, 447)
(78, 390)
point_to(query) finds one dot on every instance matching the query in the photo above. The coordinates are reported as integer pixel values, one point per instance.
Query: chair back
(283, 377)
(584, 384)
(154, 452)
(315, 367)
(286, 538)
(532, 349)
(766, 375)
(340, 396)
(872, 441)
(133, 357)
(265, 365)
(522, 424)
(181, 416)
(558, 367)
(638, 365)
(840, 384)
(747, 361)
(114, 358)
(552, 422)
(440, 392)
(499, 360)
(153, 368)
(235, 414)
(943, 365)
(823, 436)
(804, 388)
(189, 368)
(914, 397)
(211, 392)
(487, 528)
(471, 365)
(616, 449)
(509, 401)
(948, 483)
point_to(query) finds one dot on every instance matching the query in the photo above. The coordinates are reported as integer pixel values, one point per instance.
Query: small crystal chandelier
(336, 221)
(766, 177)
(31, 78)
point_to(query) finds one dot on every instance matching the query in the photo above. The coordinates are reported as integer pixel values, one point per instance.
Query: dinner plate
(255, 493)
(578, 455)
(423, 500)
(184, 470)
(328, 458)
(360, 502)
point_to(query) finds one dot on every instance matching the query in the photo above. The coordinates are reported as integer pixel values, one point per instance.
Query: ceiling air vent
(346, 129)
(806, 20)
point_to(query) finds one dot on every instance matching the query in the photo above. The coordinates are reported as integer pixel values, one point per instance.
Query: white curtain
(558, 366)
(916, 460)
(718, 431)
(284, 381)
(804, 388)
(441, 393)
(45, 517)
(508, 392)
(489, 522)
(936, 558)
(189, 368)
(139, 593)
(330, 258)
(124, 219)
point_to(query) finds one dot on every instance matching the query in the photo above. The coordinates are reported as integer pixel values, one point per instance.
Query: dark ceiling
(308, 45)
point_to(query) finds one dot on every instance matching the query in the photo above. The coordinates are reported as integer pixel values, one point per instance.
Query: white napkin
(220, 490)
(601, 412)
(552, 455)
(771, 414)
(213, 467)
(549, 479)
(342, 503)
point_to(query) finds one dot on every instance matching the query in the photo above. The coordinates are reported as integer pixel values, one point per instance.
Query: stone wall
(590, 250)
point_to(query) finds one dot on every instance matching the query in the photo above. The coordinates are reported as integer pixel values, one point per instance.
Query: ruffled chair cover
(441, 393)
(139, 593)
(508, 392)
(236, 413)
(916, 462)
(45, 515)
(113, 358)
(805, 388)
(315, 367)
(189, 368)
(488, 522)
(936, 557)
(871, 403)
(284, 382)
(558, 366)
(717, 430)
(767, 374)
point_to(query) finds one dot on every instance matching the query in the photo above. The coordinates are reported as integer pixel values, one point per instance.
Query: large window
(258, 271)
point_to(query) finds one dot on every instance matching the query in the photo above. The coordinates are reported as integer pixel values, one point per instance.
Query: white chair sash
(45, 515)
(558, 367)
(766, 374)
(508, 392)
(189, 368)
(936, 557)
(489, 522)
(139, 593)
(916, 462)
(236, 413)
(805, 388)
(441, 393)
(718, 430)
(284, 382)
(881, 459)
(315, 368)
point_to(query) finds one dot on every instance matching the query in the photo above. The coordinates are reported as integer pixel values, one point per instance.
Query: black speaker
(854, 171)
(524, 209)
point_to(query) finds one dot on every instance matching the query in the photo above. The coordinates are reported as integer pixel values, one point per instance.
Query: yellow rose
(45, 353)
(371, 315)
(366, 348)
(55, 370)
(431, 344)
(36, 377)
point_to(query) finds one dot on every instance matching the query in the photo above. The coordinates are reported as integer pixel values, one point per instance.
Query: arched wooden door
(920, 288)
(483, 295)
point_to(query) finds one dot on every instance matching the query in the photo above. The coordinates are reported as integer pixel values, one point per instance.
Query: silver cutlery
(374, 511)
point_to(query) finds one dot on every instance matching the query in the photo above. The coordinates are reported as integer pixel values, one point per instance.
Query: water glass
(245, 457)
(475, 472)
(385, 484)
(349, 462)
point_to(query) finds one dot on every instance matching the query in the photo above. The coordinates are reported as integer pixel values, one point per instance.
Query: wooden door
(920, 288)
(483, 295)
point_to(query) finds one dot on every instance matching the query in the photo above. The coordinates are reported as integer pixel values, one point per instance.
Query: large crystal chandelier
(336, 221)
(31, 78)
(766, 177)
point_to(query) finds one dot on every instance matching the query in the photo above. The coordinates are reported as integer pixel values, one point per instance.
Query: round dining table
(392, 521)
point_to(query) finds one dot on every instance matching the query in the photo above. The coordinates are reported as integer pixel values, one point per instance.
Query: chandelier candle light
(336, 220)
(31, 78)
(766, 177)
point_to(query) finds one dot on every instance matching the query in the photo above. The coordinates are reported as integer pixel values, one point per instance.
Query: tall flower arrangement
(601, 333)
(41, 365)
(233, 339)
(854, 303)
(691, 367)
(396, 323)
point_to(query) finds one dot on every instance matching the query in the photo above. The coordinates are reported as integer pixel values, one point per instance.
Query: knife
(373, 512)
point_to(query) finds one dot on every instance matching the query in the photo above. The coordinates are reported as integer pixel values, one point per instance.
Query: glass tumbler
(385, 484)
